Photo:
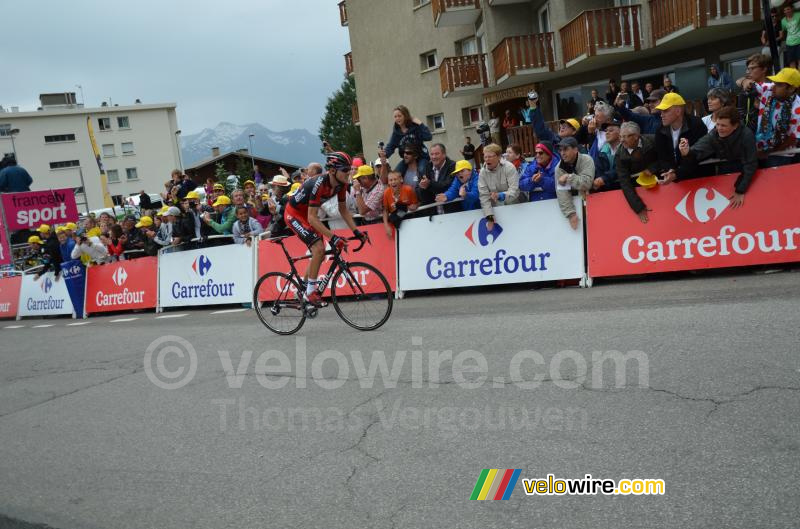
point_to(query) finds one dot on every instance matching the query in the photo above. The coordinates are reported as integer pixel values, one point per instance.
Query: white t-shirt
(601, 139)
(710, 124)
(676, 134)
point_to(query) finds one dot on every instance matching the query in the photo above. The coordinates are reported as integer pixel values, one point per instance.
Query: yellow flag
(107, 202)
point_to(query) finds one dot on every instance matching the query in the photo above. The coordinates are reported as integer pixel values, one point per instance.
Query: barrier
(691, 226)
(44, 296)
(381, 254)
(73, 273)
(529, 242)
(9, 295)
(30, 209)
(124, 285)
(207, 276)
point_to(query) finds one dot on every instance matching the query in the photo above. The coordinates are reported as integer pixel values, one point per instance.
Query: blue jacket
(417, 133)
(545, 188)
(606, 168)
(472, 200)
(66, 249)
(648, 123)
(15, 179)
(541, 130)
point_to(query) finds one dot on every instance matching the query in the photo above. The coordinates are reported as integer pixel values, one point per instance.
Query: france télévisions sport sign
(692, 226)
(32, 208)
(528, 243)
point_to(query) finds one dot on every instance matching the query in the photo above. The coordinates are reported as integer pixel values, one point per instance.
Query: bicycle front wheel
(277, 305)
(361, 296)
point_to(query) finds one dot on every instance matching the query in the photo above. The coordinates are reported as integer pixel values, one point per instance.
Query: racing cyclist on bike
(302, 216)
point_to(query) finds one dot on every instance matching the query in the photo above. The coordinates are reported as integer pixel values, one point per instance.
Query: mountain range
(297, 146)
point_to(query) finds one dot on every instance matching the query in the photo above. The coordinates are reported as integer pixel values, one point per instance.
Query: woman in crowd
(538, 179)
(408, 131)
(718, 98)
(612, 92)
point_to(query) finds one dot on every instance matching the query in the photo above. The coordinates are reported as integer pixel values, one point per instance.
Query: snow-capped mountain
(297, 146)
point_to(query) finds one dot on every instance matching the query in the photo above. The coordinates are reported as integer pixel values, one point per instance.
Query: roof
(77, 110)
(215, 159)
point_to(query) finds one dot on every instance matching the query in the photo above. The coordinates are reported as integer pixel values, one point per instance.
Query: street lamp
(13, 146)
(253, 160)
(178, 146)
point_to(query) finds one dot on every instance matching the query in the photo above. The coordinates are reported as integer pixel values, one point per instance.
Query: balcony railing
(348, 63)
(455, 12)
(672, 18)
(343, 12)
(356, 117)
(523, 54)
(463, 73)
(599, 31)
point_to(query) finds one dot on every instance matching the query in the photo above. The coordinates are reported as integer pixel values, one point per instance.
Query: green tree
(337, 125)
(220, 173)
(244, 170)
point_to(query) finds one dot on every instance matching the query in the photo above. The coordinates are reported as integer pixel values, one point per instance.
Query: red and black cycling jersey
(314, 192)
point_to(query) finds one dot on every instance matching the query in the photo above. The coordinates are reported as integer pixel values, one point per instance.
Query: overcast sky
(274, 62)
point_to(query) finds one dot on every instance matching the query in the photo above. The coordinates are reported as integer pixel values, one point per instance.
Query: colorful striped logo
(495, 484)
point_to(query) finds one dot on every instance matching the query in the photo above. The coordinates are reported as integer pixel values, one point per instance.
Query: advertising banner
(5, 249)
(529, 242)
(74, 274)
(9, 296)
(381, 254)
(208, 276)
(126, 285)
(692, 226)
(30, 209)
(45, 296)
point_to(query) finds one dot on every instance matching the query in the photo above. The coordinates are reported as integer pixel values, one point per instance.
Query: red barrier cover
(126, 285)
(691, 226)
(9, 296)
(381, 254)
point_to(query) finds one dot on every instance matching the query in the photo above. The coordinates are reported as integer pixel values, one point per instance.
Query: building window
(104, 123)
(118, 200)
(113, 176)
(428, 60)
(127, 147)
(5, 129)
(420, 3)
(130, 173)
(436, 122)
(108, 150)
(472, 115)
(123, 122)
(468, 46)
(58, 138)
(65, 164)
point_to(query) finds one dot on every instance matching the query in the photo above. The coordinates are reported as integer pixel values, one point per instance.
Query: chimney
(214, 152)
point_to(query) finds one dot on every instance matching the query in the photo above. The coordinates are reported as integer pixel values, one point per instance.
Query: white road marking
(79, 323)
(229, 311)
(43, 326)
(122, 320)
(14, 327)
(170, 316)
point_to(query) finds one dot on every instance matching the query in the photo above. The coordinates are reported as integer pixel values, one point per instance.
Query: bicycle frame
(338, 262)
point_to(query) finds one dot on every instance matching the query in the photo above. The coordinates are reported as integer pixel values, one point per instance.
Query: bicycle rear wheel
(275, 301)
(361, 296)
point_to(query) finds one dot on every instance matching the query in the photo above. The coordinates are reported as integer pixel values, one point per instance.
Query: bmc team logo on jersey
(119, 277)
(47, 284)
(703, 202)
(483, 233)
(201, 265)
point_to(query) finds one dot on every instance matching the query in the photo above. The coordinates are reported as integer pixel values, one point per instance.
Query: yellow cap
(363, 170)
(94, 232)
(71, 226)
(222, 201)
(461, 165)
(249, 182)
(790, 76)
(144, 222)
(35, 239)
(294, 188)
(572, 122)
(670, 100)
(44, 228)
(192, 195)
(646, 179)
(219, 187)
(60, 229)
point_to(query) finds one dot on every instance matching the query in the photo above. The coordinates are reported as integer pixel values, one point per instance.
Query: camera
(381, 145)
(483, 128)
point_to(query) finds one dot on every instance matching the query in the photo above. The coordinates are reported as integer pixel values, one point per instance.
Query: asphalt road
(707, 401)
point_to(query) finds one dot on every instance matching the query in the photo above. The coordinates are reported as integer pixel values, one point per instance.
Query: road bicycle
(359, 293)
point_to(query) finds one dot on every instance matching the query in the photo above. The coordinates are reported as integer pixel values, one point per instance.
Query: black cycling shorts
(300, 226)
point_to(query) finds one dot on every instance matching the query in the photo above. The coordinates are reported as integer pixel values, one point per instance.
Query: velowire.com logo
(495, 484)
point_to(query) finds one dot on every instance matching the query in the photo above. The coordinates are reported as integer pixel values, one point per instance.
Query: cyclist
(302, 216)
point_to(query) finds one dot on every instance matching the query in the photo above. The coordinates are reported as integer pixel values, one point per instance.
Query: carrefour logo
(483, 232)
(72, 272)
(201, 265)
(119, 277)
(704, 201)
(46, 285)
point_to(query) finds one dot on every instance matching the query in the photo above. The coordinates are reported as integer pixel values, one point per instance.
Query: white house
(138, 145)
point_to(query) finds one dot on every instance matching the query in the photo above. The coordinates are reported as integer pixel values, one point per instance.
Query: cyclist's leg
(313, 240)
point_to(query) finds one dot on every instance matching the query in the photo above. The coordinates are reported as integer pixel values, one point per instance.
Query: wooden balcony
(601, 31)
(523, 55)
(507, 2)
(343, 12)
(455, 12)
(356, 117)
(673, 18)
(462, 74)
(348, 63)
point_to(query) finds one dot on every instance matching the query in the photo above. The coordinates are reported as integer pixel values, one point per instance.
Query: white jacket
(95, 249)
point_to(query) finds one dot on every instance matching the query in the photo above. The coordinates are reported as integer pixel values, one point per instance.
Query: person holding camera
(90, 246)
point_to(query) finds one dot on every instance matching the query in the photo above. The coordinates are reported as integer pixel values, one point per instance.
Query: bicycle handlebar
(363, 241)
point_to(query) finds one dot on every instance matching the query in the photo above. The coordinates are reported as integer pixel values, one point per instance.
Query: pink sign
(5, 249)
(33, 208)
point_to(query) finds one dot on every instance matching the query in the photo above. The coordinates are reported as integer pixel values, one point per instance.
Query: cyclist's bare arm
(313, 220)
(347, 216)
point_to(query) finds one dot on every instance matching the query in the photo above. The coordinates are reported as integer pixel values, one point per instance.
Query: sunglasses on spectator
(409, 153)
(539, 153)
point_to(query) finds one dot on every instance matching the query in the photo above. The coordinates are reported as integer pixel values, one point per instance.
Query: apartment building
(138, 146)
(454, 62)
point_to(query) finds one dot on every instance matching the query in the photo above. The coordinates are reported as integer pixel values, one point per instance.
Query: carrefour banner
(45, 296)
(692, 226)
(74, 275)
(208, 276)
(9, 295)
(528, 242)
(125, 285)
